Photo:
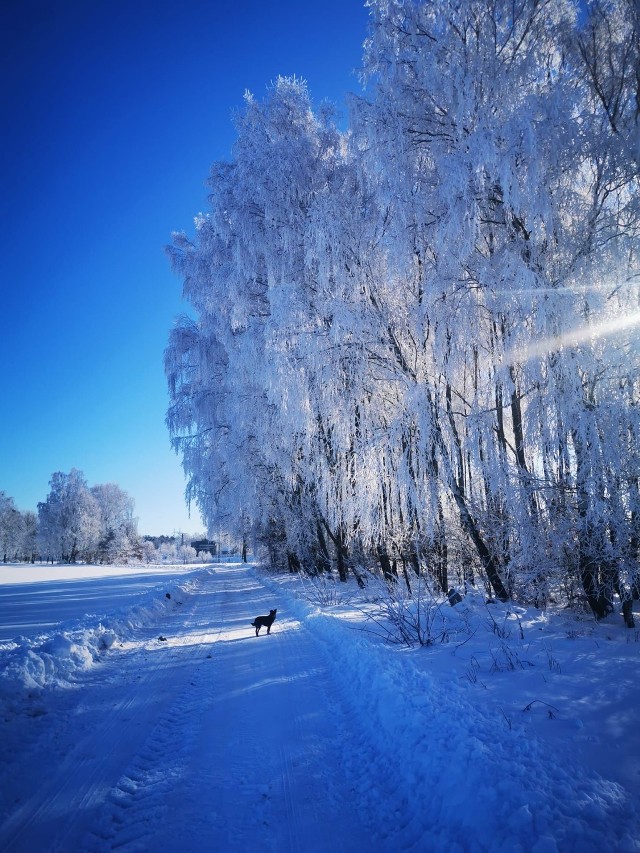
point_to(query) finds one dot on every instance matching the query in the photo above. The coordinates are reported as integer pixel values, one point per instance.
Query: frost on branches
(414, 343)
(80, 523)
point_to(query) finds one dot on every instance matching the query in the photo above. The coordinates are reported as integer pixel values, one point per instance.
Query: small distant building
(205, 546)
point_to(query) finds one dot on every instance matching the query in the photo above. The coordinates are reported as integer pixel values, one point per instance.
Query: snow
(29, 593)
(156, 720)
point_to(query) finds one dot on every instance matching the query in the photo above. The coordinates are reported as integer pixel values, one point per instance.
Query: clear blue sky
(112, 112)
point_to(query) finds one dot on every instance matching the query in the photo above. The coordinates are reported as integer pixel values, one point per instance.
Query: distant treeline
(82, 523)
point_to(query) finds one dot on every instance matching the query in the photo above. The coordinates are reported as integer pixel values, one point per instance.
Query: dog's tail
(253, 624)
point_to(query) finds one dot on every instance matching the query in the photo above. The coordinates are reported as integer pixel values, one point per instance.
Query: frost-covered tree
(517, 204)
(608, 47)
(413, 342)
(118, 526)
(186, 554)
(11, 528)
(246, 274)
(29, 544)
(69, 519)
(168, 552)
(149, 552)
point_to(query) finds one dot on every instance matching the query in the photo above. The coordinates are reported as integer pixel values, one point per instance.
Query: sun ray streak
(573, 337)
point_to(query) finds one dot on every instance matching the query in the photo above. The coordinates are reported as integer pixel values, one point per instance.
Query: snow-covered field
(151, 718)
(34, 599)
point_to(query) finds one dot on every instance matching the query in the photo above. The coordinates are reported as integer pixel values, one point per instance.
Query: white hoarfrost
(418, 338)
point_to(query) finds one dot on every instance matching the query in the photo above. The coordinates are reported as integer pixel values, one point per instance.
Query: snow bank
(57, 659)
(451, 769)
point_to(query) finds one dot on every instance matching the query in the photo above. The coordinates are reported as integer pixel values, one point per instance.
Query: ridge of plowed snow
(57, 658)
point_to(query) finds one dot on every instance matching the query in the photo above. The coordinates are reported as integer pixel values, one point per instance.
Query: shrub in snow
(323, 588)
(422, 616)
(107, 639)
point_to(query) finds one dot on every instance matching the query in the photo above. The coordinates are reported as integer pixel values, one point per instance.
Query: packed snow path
(208, 740)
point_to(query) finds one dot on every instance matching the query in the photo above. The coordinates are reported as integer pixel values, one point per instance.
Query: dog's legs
(268, 629)
(257, 630)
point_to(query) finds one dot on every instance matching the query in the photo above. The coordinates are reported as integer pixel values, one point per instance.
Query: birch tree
(69, 519)
(11, 528)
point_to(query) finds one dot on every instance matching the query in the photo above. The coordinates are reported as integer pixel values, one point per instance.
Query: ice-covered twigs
(552, 708)
(322, 588)
(421, 617)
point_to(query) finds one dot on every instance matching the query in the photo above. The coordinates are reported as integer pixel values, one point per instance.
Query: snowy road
(318, 737)
(213, 740)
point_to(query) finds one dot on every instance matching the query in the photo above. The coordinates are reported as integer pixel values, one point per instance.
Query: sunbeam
(573, 337)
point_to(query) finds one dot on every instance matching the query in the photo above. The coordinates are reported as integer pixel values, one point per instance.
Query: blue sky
(112, 113)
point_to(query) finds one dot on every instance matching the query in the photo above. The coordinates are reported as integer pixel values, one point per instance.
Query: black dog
(259, 621)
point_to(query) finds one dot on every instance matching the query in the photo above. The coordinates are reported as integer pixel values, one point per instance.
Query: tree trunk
(406, 574)
(440, 550)
(340, 555)
(323, 562)
(488, 562)
(293, 562)
(468, 523)
(341, 551)
(385, 564)
(598, 597)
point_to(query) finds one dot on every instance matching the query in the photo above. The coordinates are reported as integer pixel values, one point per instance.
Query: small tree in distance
(29, 536)
(11, 527)
(69, 518)
(119, 537)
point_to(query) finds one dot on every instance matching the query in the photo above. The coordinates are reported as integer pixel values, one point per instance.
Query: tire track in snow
(143, 797)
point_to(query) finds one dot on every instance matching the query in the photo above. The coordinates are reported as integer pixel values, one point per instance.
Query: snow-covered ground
(151, 718)
(35, 599)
